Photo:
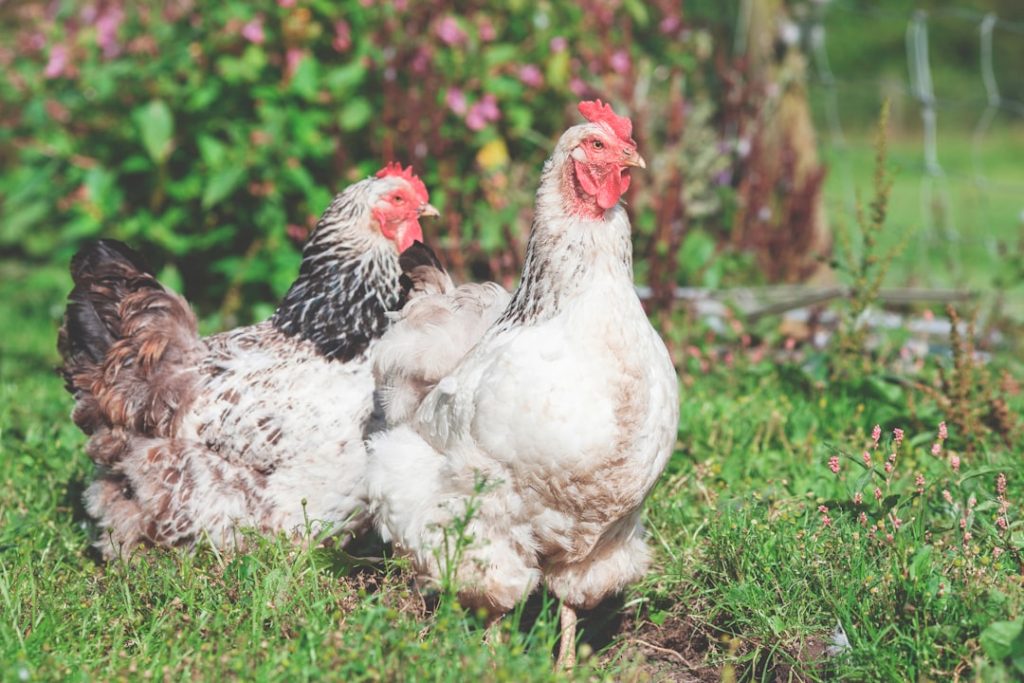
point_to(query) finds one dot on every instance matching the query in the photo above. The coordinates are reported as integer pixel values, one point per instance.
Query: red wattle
(606, 190)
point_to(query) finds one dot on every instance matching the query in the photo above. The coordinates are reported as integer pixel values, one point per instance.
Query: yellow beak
(428, 210)
(633, 158)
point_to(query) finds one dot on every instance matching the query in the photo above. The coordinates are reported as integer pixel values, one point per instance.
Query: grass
(749, 584)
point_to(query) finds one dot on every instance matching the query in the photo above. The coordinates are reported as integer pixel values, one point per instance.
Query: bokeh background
(211, 135)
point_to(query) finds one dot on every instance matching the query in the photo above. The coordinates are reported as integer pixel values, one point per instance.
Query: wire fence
(941, 222)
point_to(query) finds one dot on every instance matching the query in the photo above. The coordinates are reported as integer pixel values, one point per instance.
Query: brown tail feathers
(121, 328)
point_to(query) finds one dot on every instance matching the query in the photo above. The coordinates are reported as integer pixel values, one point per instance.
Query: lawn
(764, 555)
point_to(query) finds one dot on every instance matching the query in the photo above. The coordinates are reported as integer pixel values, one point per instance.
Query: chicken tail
(120, 327)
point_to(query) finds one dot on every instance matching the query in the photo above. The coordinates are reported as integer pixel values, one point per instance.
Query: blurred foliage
(211, 135)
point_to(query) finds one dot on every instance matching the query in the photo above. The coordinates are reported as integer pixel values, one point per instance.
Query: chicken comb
(395, 169)
(596, 111)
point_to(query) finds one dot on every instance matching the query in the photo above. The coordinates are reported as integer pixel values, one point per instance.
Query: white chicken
(566, 407)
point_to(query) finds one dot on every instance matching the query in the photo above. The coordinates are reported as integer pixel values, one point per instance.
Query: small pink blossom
(825, 519)
(937, 449)
(558, 44)
(620, 61)
(292, 57)
(253, 31)
(963, 522)
(1002, 523)
(943, 433)
(971, 502)
(888, 467)
(858, 498)
(947, 496)
(670, 23)
(286, 3)
(57, 63)
(449, 32)
(106, 25)
(954, 462)
(833, 464)
(967, 537)
(876, 434)
(867, 458)
(996, 552)
(1001, 484)
(896, 522)
(889, 538)
(878, 493)
(531, 76)
(897, 436)
(919, 482)
(863, 519)
(342, 36)
(486, 31)
(456, 101)
(578, 87)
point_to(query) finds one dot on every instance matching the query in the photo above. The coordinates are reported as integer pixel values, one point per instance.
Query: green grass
(748, 583)
(985, 205)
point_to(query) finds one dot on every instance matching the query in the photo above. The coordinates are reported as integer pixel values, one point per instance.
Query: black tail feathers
(104, 272)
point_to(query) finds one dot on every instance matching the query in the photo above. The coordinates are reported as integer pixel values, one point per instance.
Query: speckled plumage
(567, 408)
(262, 426)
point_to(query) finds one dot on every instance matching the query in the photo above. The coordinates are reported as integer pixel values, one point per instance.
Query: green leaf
(343, 80)
(221, 184)
(1000, 638)
(156, 128)
(306, 79)
(557, 70)
(638, 10)
(355, 114)
(211, 150)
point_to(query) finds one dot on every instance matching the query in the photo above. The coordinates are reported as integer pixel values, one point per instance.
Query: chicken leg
(567, 645)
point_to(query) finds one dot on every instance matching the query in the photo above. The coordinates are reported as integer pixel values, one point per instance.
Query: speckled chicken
(262, 426)
(556, 420)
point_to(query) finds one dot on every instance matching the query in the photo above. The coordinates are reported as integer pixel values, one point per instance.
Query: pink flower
(954, 462)
(996, 552)
(897, 436)
(449, 32)
(867, 458)
(456, 101)
(878, 493)
(858, 498)
(57, 63)
(558, 44)
(475, 120)
(863, 519)
(253, 31)
(1001, 485)
(876, 434)
(1002, 523)
(833, 464)
(896, 522)
(292, 57)
(943, 433)
(919, 482)
(286, 3)
(888, 467)
(484, 111)
(937, 449)
(822, 509)
(106, 30)
(342, 36)
(670, 23)
(531, 76)
(578, 87)
(620, 61)
(486, 31)
(971, 502)
(963, 522)
(967, 537)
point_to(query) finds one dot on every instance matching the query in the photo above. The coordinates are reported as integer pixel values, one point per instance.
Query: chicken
(262, 426)
(549, 433)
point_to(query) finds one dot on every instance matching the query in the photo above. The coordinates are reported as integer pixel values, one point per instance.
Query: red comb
(395, 169)
(596, 111)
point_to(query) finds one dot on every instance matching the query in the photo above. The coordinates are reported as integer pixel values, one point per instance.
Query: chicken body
(550, 432)
(262, 426)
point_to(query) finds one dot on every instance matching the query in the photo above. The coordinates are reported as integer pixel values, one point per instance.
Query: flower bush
(212, 134)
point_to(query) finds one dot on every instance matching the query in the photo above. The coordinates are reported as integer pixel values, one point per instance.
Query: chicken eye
(399, 199)
(597, 144)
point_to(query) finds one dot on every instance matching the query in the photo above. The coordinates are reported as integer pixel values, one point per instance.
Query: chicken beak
(428, 210)
(633, 158)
